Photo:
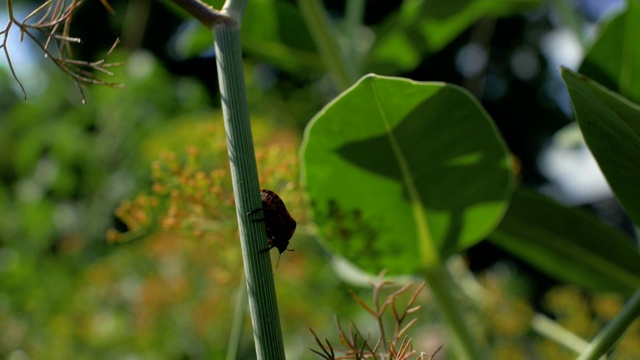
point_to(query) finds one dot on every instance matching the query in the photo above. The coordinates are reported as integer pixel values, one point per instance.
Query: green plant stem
(628, 67)
(556, 333)
(238, 320)
(444, 289)
(571, 19)
(263, 305)
(611, 333)
(354, 13)
(324, 36)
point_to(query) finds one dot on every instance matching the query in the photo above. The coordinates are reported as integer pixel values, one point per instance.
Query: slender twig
(5, 33)
(406, 349)
(53, 21)
(373, 350)
(327, 353)
(380, 310)
(391, 301)
(45, 6)
(435, 352)
(362, 303)
(202, 12)
(405, 328)
(400, 347)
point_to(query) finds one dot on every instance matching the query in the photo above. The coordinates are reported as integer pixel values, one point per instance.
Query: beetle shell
(279, 223)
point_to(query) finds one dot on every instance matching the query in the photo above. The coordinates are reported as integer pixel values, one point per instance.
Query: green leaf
(569, 244)
(614, 59)
(426, 26)
(402, 173)
(610, 125)
(192, 39)
(273, 31)
(276, 31)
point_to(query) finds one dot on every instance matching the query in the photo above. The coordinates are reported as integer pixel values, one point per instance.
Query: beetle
(278, 222)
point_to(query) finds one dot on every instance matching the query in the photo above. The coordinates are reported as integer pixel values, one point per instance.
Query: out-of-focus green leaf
(611, 128)
(276, 31)
(568, 244)
(27, 151)
(271, 30)
(400, 173)
(423, 27)
(614, 59)
(39, 236)
(192, 39)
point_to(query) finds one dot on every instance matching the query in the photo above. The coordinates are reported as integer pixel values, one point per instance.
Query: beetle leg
(253, 212)
(267, 249)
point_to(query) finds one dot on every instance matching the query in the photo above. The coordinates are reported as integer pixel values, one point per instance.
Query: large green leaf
(569, 244)
(611, 128)
(401, 173)
(614, 59)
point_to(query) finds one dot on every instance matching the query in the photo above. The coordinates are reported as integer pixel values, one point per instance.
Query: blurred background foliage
(118, 236)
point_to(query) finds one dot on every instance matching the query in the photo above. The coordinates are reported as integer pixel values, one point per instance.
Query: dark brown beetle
(280, 225)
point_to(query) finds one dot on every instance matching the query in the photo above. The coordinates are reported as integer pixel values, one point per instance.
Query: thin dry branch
(327, 353)
(52, 21)
(356, 346)
(362, 303)
(202, 12)
(435, 352)
(3, 46)
(401, 317)
(391, 301)
(406, 327)
(405, 351)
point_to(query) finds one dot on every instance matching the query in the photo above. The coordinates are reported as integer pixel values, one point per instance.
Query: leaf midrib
(428, 255)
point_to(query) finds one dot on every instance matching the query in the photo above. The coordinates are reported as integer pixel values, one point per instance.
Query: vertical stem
(550, 329)
(571, 19)
(263, 304)
(239, 313)
(354, 13)
(326, 40)
(611, 333)
(443, 290)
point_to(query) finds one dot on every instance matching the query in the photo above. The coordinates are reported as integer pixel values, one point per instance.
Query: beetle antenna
(277, 264)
